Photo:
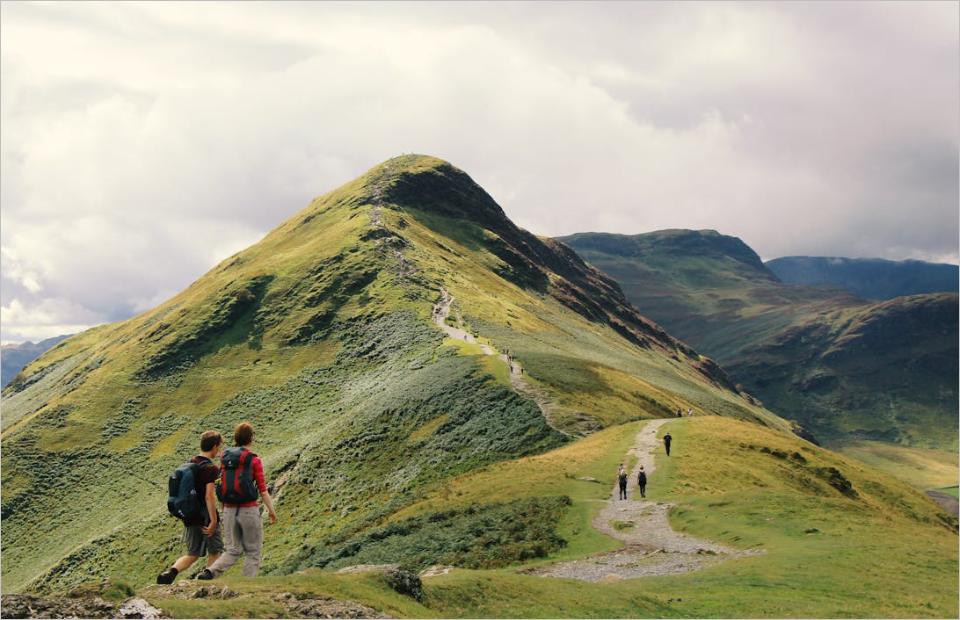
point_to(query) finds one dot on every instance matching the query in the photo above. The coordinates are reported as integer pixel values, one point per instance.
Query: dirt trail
(550, 410)
(441, 311)
(652, 547)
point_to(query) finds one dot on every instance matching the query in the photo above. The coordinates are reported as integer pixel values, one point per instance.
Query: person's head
(210, 442)
(641, 468)
(243, 434)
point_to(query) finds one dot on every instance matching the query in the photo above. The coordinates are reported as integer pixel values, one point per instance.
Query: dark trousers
(623, 490)
(667, 446)
(643, 490)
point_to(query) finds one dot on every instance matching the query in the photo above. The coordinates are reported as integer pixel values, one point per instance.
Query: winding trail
(550, 410)
(441, 310)
(651, 546)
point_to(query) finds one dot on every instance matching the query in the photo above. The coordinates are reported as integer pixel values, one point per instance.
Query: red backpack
(236, 477)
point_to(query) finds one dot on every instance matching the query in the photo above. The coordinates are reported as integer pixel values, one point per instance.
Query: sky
(142, 143)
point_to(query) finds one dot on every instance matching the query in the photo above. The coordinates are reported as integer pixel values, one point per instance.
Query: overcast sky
(143, 143)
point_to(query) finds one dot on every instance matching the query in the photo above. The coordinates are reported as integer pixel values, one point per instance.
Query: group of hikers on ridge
(641, 475)
(194, 489)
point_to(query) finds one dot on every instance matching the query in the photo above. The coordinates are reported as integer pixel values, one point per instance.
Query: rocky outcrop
(30, 606)
(306, 607)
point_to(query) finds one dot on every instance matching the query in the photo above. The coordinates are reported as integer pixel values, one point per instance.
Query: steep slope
(870, 278)
(845, 368)
(13, 357)
(321, 336)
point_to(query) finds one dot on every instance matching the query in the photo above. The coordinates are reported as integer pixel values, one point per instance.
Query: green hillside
(836, 533)
(321, 336)
(857, 374)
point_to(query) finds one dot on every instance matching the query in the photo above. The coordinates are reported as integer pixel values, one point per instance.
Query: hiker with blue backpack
(192, 499)
(241, 479)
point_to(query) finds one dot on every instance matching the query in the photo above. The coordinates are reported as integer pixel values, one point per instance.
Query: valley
(860, 375)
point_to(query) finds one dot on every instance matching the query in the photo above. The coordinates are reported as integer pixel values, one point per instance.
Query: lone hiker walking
(642, 482)
(622, 479)
(241, 477)
(666, 442)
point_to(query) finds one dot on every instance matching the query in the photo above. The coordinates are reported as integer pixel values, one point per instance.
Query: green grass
(951, 491)
(835, 552)
(377, 426)
(921, 467)
(828, 554)
(321, 338)
(491, 536)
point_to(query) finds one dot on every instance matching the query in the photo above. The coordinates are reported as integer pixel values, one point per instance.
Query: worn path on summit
(651, 546)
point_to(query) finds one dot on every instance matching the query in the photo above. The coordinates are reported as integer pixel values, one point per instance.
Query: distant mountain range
(843, 367)
(13, 357)
(869, 278)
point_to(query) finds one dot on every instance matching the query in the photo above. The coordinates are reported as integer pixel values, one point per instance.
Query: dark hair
(210, 440)
(243, 434)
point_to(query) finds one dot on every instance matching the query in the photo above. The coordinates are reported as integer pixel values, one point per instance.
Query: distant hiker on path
(642, 482)
(622, 478)
(666, 442)
(679, 413)
(689, 412)
(242, 476)
(202, 532)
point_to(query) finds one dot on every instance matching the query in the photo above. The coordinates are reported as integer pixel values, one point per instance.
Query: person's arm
(268, 502)
(211, 499)
(262, 485)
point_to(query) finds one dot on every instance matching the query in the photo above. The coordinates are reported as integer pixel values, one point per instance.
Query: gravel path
(651, 546)
(550, 410)
(946, 501)
(441, 311)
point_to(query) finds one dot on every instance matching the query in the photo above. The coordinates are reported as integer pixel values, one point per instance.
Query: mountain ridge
(870, 278)
(820, 354)
(16, 356)
(321, 336)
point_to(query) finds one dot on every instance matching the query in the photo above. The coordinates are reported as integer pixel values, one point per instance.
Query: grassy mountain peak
(322, 336)
(674, 243)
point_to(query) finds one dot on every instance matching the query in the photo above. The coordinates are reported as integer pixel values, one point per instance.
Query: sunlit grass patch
(923, 468)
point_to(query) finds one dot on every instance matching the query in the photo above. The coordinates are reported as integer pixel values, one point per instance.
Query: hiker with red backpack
(241, 477)
(192, 499)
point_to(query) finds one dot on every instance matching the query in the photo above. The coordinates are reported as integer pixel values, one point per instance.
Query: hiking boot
(205, 575)
(167, 576)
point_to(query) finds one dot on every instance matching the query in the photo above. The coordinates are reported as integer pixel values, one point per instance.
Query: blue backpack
(182, 500)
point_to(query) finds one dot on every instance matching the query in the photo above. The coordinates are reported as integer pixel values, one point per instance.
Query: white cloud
(145, 142)
(52, 317)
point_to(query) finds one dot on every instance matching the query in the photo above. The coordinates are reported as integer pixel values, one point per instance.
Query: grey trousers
(243, 528)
